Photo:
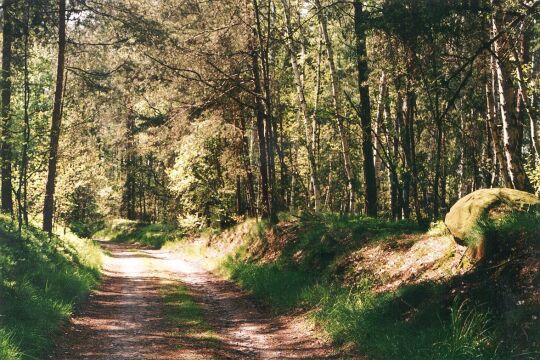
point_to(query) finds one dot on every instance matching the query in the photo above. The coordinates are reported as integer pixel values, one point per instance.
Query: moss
(467, 217)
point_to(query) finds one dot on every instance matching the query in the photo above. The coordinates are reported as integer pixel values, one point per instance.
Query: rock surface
(464, 216)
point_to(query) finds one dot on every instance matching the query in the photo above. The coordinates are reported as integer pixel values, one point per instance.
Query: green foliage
(326, 236)
(517, 225)
(8, 348)
(324, 239)
(41, 279)
(283, 287)
(82, 214)
(154, 235)
(199, 177)
(182, 310)
(438, 229)
(534, 176)
(469, 332)
(502, 235)
(416, 322)
(382, 325)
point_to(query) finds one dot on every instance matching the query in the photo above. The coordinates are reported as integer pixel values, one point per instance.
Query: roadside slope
(41, 280)
(378, 286)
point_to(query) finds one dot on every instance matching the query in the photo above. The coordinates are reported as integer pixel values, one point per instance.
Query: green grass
(41, 279)
(182, 311)
(128, 231)
(381, 325)
(324, 238)
(460, 318)
(422, 321)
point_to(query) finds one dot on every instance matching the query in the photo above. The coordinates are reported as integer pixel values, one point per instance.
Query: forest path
(125, 318)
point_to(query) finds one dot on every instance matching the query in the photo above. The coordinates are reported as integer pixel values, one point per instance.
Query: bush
(82, 214)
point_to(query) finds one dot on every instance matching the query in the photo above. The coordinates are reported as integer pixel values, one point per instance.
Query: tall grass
(415, 322)
(41, 279)
(469, 333)
(418, 321)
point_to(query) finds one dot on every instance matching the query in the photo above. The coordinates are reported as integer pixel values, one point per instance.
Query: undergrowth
(458, 318)
(418, 321)
(41, 279)
(154, 235)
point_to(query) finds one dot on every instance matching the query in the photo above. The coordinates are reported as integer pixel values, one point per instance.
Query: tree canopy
(200, 113)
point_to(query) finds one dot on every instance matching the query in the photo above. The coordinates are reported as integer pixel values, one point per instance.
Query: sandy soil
(124, 318)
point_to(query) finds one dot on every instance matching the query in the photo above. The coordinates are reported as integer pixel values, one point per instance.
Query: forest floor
(148, 308)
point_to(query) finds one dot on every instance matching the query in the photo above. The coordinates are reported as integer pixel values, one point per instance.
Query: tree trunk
(443, 180)
(438, 160)
(490, 119)
(129, 200)
(523, 93)
(317, 94)
(409, 149)
(408, 133)
(266, 211)
(402, 135)
(336, 93)
(303, 106)
(511, 128)
(379, 123)
(396, 191)
(22, 192)
(365, 111)
(48, 206)
(247, 168)
(5, 148)
(534, 121)
(263, 56)
(462, 150)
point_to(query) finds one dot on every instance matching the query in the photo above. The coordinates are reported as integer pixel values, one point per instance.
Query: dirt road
(125, 317)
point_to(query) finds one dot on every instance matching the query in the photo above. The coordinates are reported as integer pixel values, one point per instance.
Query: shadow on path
(125, 318)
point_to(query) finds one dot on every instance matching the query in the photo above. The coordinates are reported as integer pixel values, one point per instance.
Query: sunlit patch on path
(156, 305)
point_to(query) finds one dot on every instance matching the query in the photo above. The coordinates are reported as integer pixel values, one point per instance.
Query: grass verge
(41, 280)
(299, 265)
(128, 231)
(458, 318)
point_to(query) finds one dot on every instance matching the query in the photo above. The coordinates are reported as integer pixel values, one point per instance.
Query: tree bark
(523, 93)
(508, 104)
(438, 160)
(266, 211)
(379, 121)
(263, 55)
(130, 185)
(48, 206)
(247, 168)
(396, 191)
(490, 119)
(22, 192)
(336, 93)
(5, 147)
(303, 107)
(534, 124)
(402, 130)
(370, 182)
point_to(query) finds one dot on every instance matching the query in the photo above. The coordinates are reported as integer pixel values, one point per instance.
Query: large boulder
(463, 218)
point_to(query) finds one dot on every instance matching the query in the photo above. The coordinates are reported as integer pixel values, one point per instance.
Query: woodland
(197, 113)
(193, 116)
